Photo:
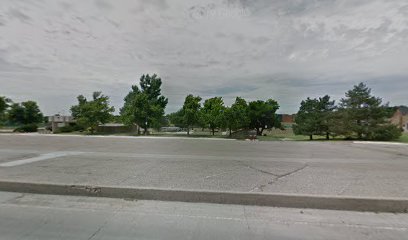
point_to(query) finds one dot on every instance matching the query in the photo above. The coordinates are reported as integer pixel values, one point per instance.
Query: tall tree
(176, 118)
(213, 113)
(366, 115)
(15, 114)
(262, 115)
(339, 123)
(313, 117)
(191, 110)
(32, 113)
(4, 105)
(90, 114)
(145, 105)
(25, 113)
(236, 116)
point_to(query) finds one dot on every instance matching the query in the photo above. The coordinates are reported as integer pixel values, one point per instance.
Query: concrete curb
(396, 205)
(380, 143)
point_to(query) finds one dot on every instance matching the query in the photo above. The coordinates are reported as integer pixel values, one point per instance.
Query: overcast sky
(52, 51)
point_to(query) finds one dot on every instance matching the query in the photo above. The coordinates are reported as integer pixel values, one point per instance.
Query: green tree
(89, 114)
(262, 115)
(191, 109)
(15, 113)
(339, 124)
(25, 113)
(236, 116)
(213, 113)
(176, 118)
(4, 105)
(313, 117)
(32, 113)
(366, 116)
(145, 105)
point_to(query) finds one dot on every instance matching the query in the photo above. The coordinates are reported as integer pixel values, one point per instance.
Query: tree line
(359, 115)
(213, 114)
(25, 114)
(145, 106)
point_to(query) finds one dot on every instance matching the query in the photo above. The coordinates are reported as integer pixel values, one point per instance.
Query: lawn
(404, 138)
(288, 135)
(282, 135)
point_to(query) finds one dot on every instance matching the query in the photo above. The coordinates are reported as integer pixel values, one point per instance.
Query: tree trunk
(327, 136)
(230, 132)
(188, 131)
(359, 132)
(311, 137)
(145, 130)
(213, 131)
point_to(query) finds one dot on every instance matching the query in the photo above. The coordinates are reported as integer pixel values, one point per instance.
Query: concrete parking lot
(321, 168)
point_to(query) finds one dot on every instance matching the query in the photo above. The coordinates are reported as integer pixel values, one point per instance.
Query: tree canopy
(313, 117)
(191, 110)
(89, 114)
(25, 113)
(145, 105)
(236, 116)
(359, 115)
(213, 113)
(262, 115)
(4, 105)
(365, 114)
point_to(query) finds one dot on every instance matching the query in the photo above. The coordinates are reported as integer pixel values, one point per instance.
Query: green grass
(283, 138)
(282, 135)
(403, 138)
(272, 135)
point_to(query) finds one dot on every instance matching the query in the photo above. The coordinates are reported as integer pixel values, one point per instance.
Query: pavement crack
(260, 170)
(96, 232)
(288, 174)
(276, 176)
(292, 172)
(105, 223)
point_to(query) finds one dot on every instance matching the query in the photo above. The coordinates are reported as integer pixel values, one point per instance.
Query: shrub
(76, 127)
(387, 132)
(27, 128)
(66, 129)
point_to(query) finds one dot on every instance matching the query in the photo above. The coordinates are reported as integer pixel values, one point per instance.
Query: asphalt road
(43, 217)
(320, 168)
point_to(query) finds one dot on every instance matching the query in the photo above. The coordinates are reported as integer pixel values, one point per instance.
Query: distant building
(287, 118)
(58, 121)
(400, 118)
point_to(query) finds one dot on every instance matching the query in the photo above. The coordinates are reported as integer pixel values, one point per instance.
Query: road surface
(317, 168)
(46, 217)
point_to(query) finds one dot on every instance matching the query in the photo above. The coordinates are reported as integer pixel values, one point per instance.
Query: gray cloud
(103, 4)
(279, 49)
(16, 13)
